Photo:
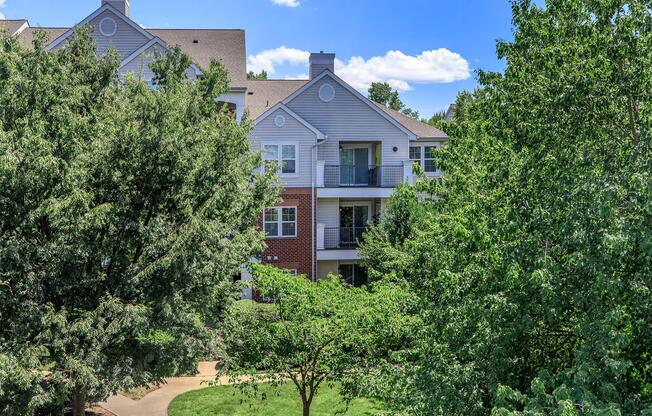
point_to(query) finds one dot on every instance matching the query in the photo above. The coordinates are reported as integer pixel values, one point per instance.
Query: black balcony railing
(344, 237)
(362, 175)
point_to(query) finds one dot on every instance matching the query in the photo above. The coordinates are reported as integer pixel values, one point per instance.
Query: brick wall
(293, 252)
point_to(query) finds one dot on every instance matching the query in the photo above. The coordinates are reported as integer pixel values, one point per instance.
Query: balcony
(361, 176)
(345, 238)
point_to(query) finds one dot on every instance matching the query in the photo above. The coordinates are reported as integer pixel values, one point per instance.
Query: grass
(229, 401)
(138, 393)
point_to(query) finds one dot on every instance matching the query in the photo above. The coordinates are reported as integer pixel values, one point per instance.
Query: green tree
(315, 333)
(252, 76)
(125, 212)
(383, 93)
(533, 263)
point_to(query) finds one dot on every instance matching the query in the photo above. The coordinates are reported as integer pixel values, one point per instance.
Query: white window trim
(279, 157)
(422, 161)
(279, 222)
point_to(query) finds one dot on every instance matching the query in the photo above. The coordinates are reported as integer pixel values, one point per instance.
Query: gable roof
(226, 44)
(263, 95)
(281, 106)
(419, 128)
(102, 9)
(13, 25)
(202, 45)
(355, 93)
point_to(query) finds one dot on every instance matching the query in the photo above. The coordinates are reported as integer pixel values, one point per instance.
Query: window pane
(289, 152)
(430, 166)
(415, 153)
(271, 229)
(429, 152)
(289, 166)
(271, 215)
(289, 229)
(271, 152)
(289, 214)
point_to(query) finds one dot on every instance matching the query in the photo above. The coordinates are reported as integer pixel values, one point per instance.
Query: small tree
(315, 333)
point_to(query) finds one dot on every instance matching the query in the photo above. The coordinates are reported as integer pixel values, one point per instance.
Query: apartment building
(340, 156)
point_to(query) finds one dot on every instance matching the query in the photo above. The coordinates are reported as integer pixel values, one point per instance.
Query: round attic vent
(279, 121)
(108, 26)
(326, 93)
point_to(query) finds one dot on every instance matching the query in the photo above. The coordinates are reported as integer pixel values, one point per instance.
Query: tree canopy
(125, 213)
(314, 333)
(531, 255)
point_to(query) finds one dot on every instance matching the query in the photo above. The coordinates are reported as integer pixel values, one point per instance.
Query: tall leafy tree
(125, 212)
(533, 262)
(260, 76)
(383, 93)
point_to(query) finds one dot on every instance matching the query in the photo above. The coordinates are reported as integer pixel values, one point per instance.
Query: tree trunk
(306, 408)
(78, 402)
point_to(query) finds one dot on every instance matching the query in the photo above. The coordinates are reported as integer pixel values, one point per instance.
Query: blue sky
(429, 49)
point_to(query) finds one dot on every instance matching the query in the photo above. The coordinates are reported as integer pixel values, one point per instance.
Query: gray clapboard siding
(125, 41)
(348, 118)
(328, 212)
(292, 131)
(140, 66)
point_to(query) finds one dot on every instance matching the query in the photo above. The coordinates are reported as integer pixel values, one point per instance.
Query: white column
(408, 176)
(321, 235)
(321, 165)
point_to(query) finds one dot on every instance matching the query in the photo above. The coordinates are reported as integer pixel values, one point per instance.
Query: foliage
(279, 401)
(382, 93)
(533, 262)
(322, 332)
(252, 76)
(125, 212)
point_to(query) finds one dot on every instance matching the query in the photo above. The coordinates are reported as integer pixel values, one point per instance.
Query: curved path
(156, 403)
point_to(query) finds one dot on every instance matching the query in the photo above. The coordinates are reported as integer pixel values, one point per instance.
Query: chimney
(319, 62)
(120, 5)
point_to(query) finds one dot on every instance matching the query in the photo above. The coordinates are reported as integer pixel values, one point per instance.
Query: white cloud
(269, 59)
(3, 3)
(401, 71)
(437, 66)
(287, 3)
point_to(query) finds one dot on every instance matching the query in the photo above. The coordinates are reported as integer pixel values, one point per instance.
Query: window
(281, 222)
(285, 155)
(424, 156)
(429, 159)
(415, 155)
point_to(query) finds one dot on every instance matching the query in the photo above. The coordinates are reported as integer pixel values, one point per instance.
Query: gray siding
(347, 118)
(292, 131)
(125, 41)
(141, 65)
(328, 212)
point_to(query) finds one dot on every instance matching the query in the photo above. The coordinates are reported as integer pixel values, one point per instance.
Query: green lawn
(228, 401)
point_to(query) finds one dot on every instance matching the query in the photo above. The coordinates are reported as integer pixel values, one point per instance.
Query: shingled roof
(202, 45)
(12, 26)
(419, 128)
(263, 95)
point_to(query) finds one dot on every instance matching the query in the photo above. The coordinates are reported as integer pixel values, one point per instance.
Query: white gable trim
(319, 134)
(328, 73)
(92, 16)
(142, 49)
(21, 28)
(154, 41)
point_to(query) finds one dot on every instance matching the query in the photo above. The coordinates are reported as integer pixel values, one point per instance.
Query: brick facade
(294, 252)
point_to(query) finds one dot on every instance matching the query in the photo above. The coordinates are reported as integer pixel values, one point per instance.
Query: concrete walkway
(156, 403)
